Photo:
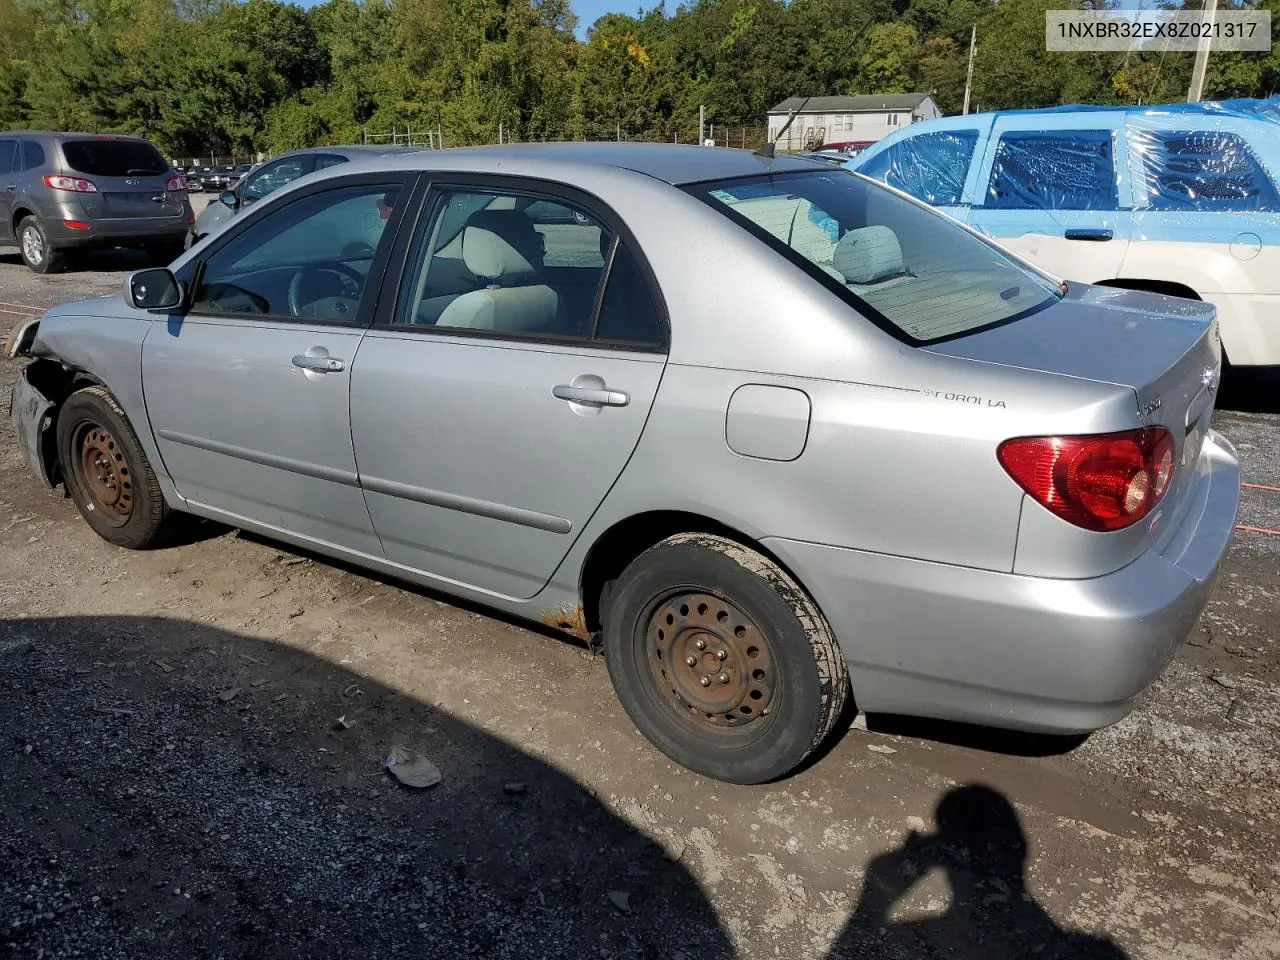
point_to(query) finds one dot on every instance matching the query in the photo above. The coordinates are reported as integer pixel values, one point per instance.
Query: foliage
(203, 77)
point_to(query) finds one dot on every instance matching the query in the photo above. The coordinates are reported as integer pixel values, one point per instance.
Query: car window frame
(192, 272)
(436, 184)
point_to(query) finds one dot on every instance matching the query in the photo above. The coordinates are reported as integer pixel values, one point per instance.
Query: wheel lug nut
(705, 681)
(723, 678)
(691, 661)
(701, 644)
(722, 654)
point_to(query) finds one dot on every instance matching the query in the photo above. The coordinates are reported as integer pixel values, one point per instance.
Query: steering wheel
(312, 291)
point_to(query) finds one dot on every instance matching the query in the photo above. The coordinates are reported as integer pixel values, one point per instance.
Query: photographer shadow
(980, 845)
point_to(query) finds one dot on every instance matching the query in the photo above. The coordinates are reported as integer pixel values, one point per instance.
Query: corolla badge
(1210, 378)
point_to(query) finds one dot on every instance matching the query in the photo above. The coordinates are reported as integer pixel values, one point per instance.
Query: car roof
(1244, 107)
(668, 162)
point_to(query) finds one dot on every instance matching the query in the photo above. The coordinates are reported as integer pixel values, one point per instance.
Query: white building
(841, 119)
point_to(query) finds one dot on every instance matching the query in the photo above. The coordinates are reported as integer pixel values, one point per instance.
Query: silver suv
(61, 193)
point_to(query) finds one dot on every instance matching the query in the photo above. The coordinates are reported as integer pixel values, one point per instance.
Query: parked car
(835, 159)
(217, 178)
(64, 193)
(269, 176)
(1179, 199)
(195, 178)
(849, 148)
(766, 427)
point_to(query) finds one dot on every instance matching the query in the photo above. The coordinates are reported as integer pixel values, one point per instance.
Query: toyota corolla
(776, 434)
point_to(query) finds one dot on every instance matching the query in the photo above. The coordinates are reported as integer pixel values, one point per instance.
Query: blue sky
(588, 11)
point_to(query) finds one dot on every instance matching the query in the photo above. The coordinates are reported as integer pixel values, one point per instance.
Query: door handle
(319, 364)
(1089, 233)
(603, 398)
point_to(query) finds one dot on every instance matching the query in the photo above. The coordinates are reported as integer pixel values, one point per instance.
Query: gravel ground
(191, 746)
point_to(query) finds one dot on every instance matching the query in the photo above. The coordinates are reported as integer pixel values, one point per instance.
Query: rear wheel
(107, 472)
(37, 253)
(722, 660)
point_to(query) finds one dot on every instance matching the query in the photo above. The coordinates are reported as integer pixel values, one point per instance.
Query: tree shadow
(980, 846)
(172, 789)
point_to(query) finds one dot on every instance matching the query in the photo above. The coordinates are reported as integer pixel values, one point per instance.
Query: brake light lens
(70, 184)
(1106, 481)
(176, 183)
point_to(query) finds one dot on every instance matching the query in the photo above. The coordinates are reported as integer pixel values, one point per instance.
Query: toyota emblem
(132, 183)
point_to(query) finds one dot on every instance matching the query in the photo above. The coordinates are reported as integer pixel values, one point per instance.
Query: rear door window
(8, 149)
(1203, 170)
(931, 167)
(1053, 170)
(113, 158)
(32, 155)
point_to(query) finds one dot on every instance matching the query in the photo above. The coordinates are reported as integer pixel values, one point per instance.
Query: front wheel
(722, 660)
(107, 472)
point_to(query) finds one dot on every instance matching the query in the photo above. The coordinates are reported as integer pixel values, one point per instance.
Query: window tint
(915, 269)
(328, 160)
(309, 258)
(113, 158)
(32, 155)
(8, 150)
(1053, 170)
(272, 177)
(931, 166)
(1203, 170)
(628, 313)
(507, 263)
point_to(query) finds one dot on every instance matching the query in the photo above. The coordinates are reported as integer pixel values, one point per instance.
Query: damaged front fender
(31, 412)
(23, 337)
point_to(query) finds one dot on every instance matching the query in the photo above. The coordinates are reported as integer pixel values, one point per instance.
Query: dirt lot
(191, 748)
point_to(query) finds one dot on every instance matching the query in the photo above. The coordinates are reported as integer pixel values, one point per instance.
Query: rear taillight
(176, 183)
(1103, 482)
(70, 184)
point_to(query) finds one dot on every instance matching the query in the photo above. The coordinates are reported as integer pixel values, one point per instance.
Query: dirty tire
(725, 591)
(91, 419)
(37, 253)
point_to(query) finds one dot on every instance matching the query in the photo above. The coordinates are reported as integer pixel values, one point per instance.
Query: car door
(1055, 189)
(10, 167)
(505, 383)
(248, 391)
(935, 165)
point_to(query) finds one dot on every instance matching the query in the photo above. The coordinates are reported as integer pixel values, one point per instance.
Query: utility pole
(499, 133)
(702, 123)
(1196, 90)
(617, 129)
(968, 80)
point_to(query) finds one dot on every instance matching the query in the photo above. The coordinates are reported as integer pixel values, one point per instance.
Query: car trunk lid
(1165, 349)
(131, 177)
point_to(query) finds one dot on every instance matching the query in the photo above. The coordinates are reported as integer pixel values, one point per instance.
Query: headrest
(868, 254)
(501, 245)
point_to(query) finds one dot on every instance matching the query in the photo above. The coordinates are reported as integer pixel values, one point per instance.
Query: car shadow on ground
(97, 261)
(1250, 390)
(173, 789)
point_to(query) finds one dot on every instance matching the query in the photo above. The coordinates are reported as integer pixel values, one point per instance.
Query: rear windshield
(913, 271)
(113, 158)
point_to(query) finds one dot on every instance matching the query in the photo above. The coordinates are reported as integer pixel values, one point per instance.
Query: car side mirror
(154, 290)
(229, 198)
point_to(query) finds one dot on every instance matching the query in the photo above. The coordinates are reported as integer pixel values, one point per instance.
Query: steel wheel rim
(32, 245)
(711, 663)
(104, 474)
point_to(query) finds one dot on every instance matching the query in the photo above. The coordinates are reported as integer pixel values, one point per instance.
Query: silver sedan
(777, 435)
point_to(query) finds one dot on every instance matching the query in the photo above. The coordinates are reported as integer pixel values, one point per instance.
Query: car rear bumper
(118, 233)
(1029, 653)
